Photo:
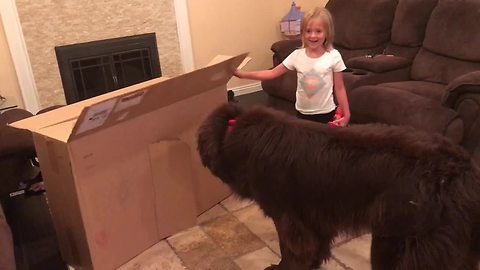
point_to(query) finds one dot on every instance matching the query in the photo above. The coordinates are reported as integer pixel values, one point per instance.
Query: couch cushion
(433, 67)
(351, 53)
(15, 141)
(451, 43)
(434, 91)
(402, 51)
(283, 87)
(7, 258)
(284, 48)
(361, 24)
(397, 107)
(452, 30)
(378, 63)
(468, 83)
(410, 21)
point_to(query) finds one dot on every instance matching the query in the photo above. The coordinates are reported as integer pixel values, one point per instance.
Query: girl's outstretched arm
(341, 95)
(261, 74)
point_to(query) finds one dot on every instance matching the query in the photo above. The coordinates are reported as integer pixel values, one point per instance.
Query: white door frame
(23, 67)
(184, 37)
(18, 50)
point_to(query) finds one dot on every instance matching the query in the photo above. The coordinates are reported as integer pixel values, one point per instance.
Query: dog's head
(211, 140)
(232, 144)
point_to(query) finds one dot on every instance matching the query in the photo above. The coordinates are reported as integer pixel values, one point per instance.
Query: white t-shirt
(314, 80)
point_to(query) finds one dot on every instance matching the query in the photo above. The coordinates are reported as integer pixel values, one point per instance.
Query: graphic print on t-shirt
(312, 82)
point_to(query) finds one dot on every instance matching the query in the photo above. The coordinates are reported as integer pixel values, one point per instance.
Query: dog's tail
(212, 132)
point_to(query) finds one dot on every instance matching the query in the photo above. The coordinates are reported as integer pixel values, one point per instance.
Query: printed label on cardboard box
(130, 100)
(96, 115)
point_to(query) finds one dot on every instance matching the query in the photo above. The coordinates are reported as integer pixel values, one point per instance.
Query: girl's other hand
(342, 122)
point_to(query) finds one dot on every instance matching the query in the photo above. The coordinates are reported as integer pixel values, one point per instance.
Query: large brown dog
(417, 193)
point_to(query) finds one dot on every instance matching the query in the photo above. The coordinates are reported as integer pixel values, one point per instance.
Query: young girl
(318, 67)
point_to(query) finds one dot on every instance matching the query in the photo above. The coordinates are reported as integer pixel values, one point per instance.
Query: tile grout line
(215, 242)
(266, 244)
(253, 233)
(339, 262)
(176, 254)
(345, 241)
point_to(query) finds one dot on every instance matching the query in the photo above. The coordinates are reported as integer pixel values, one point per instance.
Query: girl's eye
(313, 31)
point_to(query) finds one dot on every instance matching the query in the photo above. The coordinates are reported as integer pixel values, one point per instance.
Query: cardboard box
(122, 171)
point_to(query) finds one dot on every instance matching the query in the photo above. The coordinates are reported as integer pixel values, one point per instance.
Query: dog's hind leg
(300, 249)
(291, 261)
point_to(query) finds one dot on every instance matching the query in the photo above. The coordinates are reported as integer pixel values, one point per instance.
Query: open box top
(71, 122)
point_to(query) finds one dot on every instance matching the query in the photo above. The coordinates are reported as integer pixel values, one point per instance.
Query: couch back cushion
(451, 44)
(410, 21)
(408, 28)
(431, 67)
(362, 24)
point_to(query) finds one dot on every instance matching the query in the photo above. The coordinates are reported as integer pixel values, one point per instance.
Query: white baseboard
(246, 89)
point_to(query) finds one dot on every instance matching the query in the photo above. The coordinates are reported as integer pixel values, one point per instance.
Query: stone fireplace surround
(47, 24)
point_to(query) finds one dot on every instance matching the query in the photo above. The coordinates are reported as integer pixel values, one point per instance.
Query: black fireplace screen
(97, 67)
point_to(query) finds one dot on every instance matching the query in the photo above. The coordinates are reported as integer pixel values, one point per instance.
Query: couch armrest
(281, 49)
(7, 257)
(467, 83)
(376, 103)
(378, 63)
(283, 87)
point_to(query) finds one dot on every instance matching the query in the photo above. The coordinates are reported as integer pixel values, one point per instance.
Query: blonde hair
(324, 15)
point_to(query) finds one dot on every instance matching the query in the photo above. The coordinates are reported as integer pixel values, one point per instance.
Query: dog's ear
(212, 132)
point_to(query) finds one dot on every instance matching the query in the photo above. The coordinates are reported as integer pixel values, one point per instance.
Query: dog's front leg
(296, 254)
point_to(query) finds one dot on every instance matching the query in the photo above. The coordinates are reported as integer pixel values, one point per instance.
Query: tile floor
(235, 235)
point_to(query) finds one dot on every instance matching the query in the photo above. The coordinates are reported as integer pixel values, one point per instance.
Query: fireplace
(94, 68)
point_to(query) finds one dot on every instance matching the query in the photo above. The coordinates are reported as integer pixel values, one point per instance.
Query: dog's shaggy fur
(418, 194)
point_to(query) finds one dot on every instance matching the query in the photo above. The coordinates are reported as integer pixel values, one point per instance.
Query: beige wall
(9, 84)
(237, 26)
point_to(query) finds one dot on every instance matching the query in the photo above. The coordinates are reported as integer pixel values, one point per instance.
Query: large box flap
(72, 111)
(60, 131)
(115, 107)
(220, 58)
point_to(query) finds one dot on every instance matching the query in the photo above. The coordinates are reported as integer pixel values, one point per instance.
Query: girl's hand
(342, 122)
(37, 187)
(340, 119)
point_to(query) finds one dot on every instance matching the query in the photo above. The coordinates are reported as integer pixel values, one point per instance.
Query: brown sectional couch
(7, 258)
(427, 76)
